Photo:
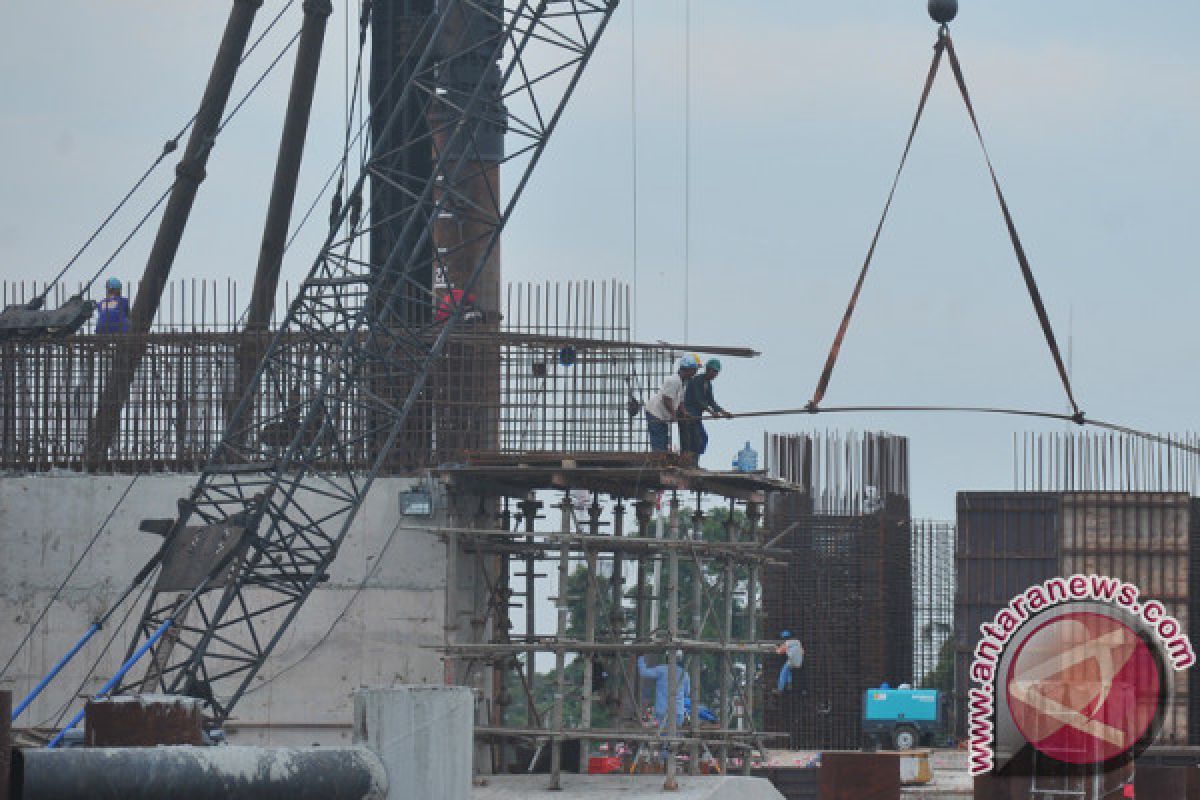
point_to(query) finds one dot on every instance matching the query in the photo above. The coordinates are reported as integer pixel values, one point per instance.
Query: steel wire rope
(141, 223)
(166, 193)
(339, 170)
(633, 127)
(70, 574)
(687, 165)
(169, 147)
(1077, 419)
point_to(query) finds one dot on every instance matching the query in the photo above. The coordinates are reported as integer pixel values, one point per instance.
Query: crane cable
(168, 148)
(1078, 419)
(945, 45)
(208, 144)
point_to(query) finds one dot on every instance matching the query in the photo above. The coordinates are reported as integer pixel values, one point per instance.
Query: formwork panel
(1142, 538)
(1007, 541)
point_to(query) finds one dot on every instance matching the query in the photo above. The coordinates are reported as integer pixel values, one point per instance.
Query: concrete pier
(423, 735)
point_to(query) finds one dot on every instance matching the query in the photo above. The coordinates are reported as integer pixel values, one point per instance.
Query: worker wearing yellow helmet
(698, 398)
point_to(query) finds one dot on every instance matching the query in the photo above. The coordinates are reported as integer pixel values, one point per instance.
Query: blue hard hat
(112, 283)
(785, 634)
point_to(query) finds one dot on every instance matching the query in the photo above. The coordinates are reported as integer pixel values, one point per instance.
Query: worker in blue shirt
(113, 311)
(662, 690)
(698, 398)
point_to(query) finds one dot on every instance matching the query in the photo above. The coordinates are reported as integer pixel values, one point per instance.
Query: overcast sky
(798, 114)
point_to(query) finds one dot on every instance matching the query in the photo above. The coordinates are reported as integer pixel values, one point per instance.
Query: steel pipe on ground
(203, 773)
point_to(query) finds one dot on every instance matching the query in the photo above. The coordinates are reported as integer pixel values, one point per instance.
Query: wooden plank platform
(619, 474)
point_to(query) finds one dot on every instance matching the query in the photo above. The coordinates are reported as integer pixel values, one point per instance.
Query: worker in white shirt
(663, 407)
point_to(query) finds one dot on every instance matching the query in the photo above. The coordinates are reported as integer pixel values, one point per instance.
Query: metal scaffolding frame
(650, 537)
(276, 518)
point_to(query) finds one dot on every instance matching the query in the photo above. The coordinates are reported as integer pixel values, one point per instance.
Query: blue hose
(115, 679)
(54, 672)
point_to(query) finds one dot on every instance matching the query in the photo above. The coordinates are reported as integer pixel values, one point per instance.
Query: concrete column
(422, 734)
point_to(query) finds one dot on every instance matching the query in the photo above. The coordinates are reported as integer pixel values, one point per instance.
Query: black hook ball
(943, 11)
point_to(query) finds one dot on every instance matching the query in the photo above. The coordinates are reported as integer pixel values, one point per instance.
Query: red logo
(1084, 688)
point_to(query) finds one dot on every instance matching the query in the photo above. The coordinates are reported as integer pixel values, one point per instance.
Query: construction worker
(663, 408)
(113, 311)
(698, 398)
(793, 652)
(662, 689)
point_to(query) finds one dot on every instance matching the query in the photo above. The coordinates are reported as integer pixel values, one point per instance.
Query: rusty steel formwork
(1010, 541)
(847, 588)
(561, 376)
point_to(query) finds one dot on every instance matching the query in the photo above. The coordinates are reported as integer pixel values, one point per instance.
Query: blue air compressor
(902, 718)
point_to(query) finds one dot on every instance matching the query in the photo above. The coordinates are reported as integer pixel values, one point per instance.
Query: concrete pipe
(203, 773)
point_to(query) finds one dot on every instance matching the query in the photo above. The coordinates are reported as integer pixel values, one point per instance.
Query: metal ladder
(1083, 782)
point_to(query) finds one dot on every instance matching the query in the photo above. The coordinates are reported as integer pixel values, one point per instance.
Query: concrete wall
(388, 636)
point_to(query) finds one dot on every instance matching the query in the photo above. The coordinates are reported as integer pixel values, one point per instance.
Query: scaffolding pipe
(728, 581)
(529, 508)
(673, 668)
(753, 515)
(616, 615)
(560, 657)
(698, 635)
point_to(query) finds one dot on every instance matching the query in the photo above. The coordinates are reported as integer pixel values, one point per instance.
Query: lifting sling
(945, 45)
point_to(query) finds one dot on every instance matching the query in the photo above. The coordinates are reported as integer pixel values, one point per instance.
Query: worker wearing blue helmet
(698, 398)
(793, 652)
(112, 313)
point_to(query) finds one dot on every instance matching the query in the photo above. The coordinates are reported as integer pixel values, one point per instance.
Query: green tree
(713, 528)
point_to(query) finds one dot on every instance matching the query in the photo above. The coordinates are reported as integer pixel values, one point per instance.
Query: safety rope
(945, 45)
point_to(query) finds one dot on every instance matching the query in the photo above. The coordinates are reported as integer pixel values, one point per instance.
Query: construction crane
(267, 516)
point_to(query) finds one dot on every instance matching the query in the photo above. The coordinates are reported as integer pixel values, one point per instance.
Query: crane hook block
(943, 11)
